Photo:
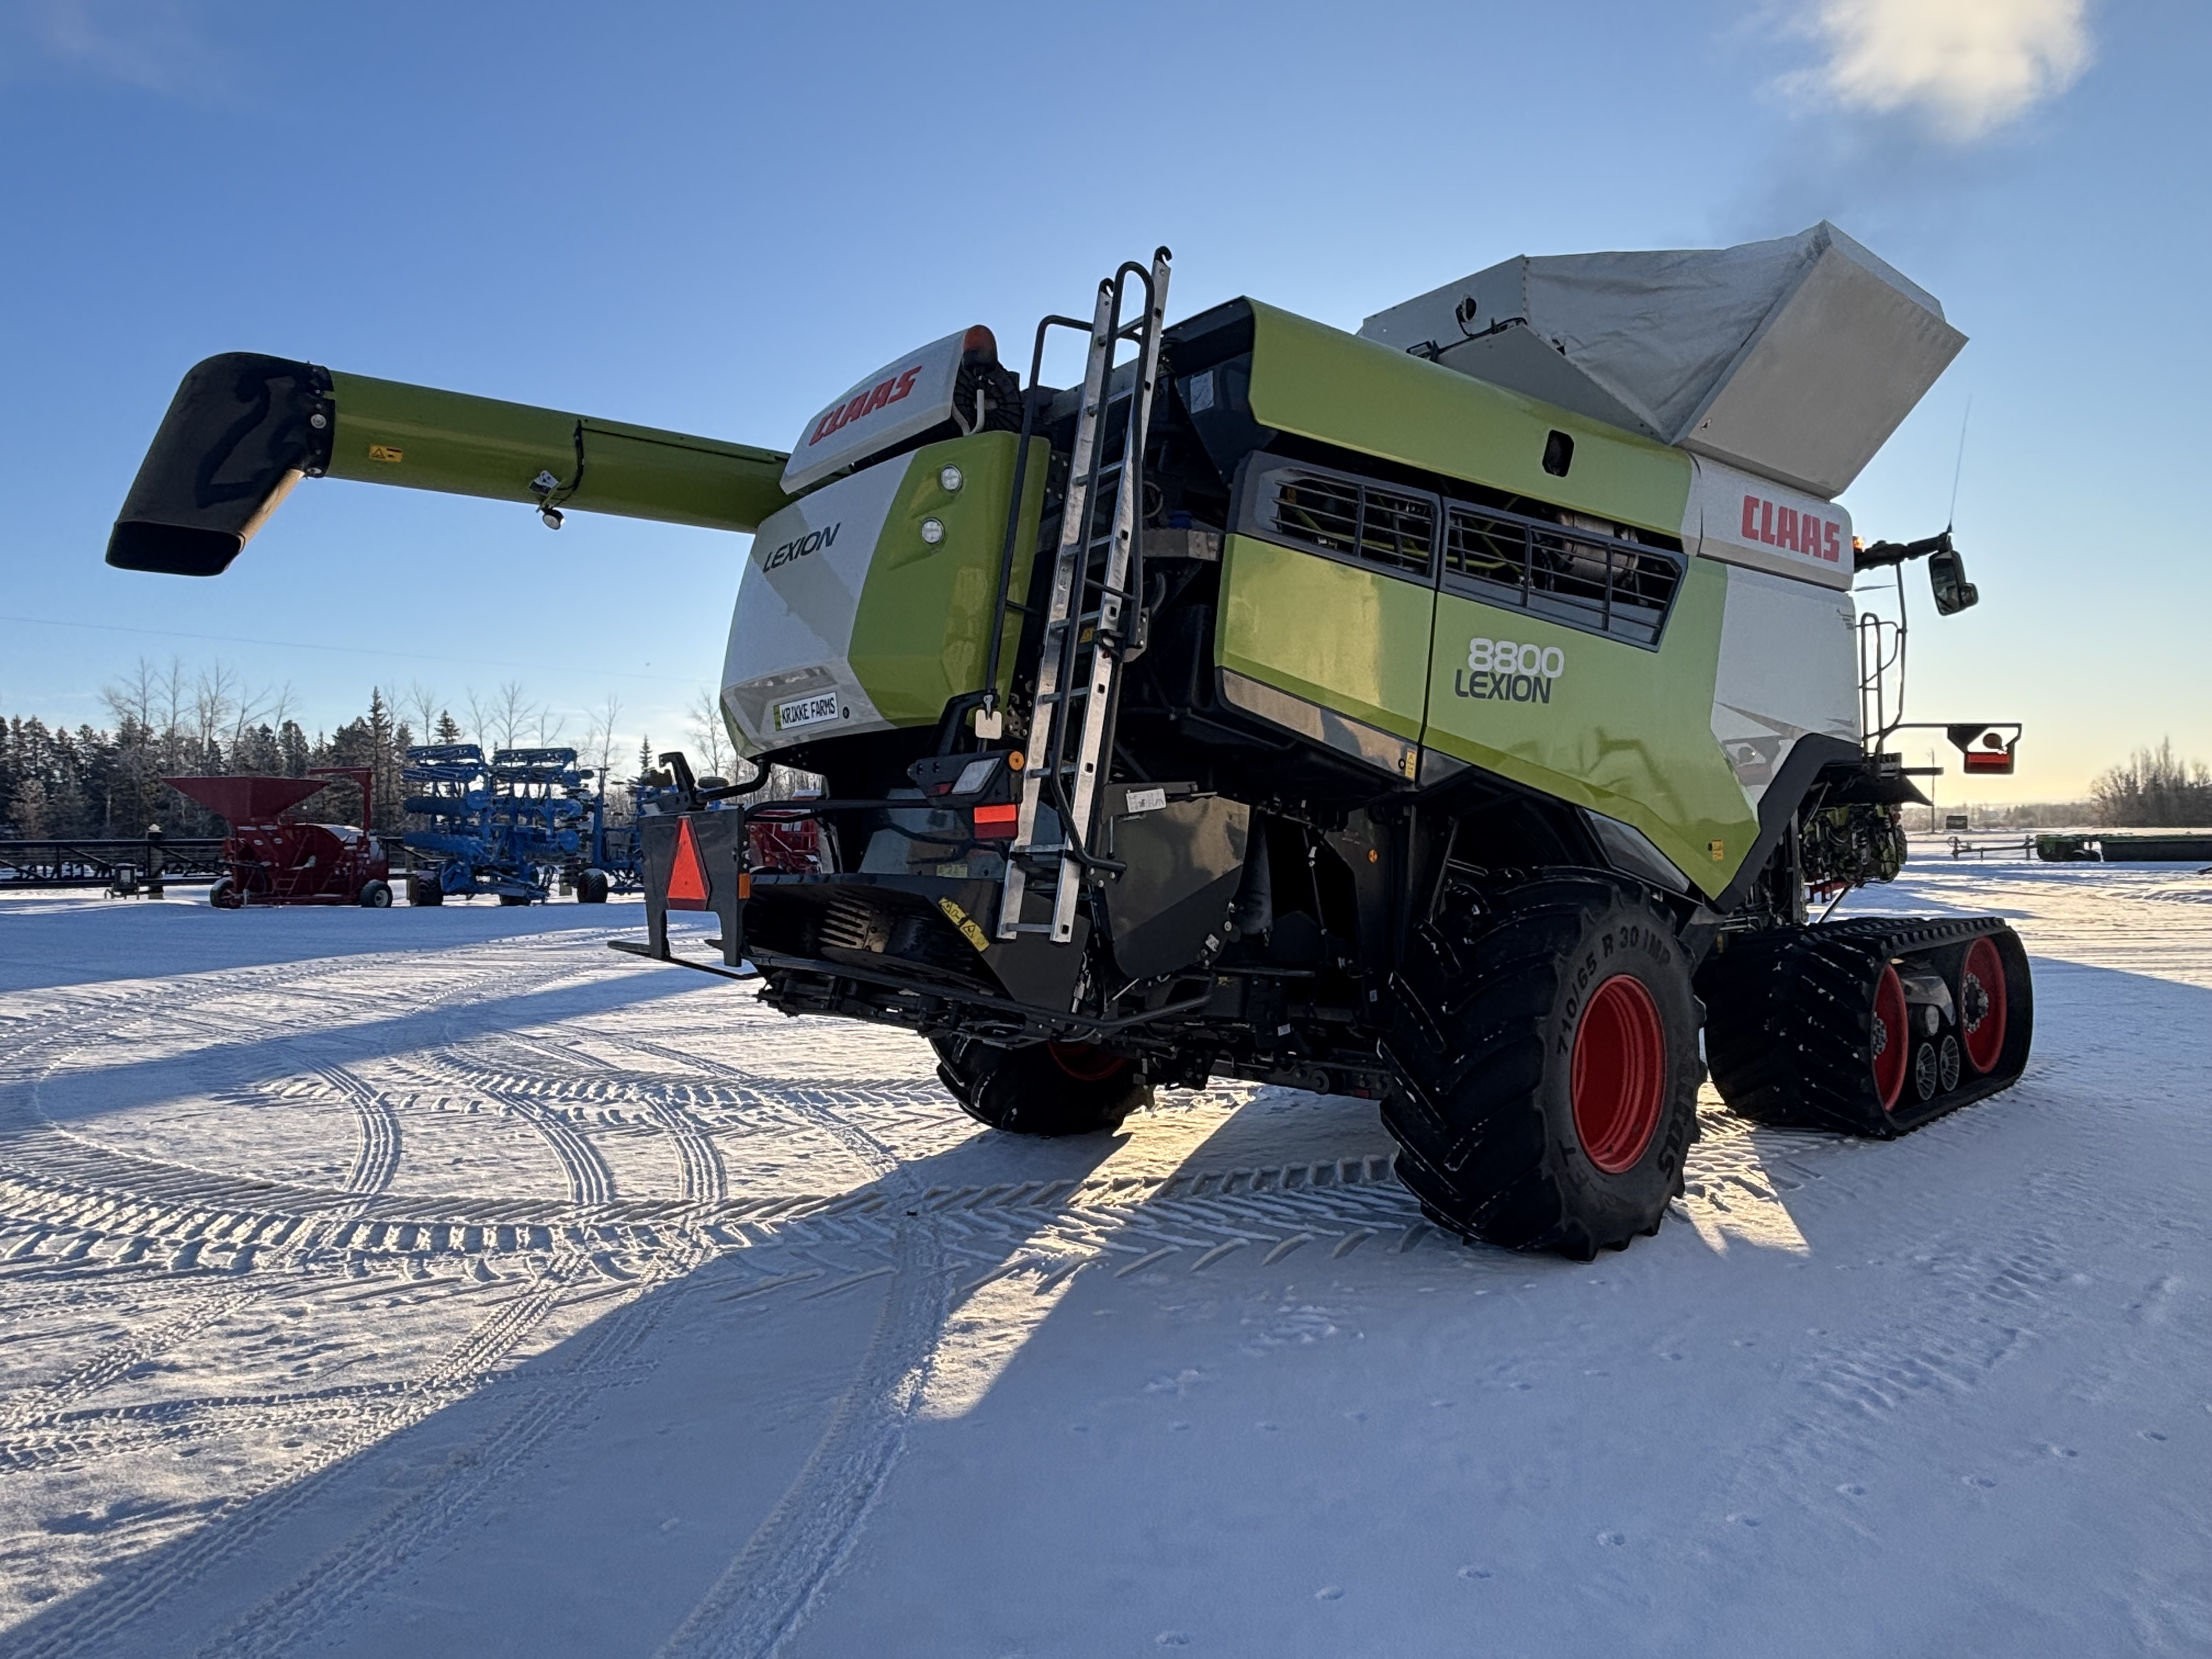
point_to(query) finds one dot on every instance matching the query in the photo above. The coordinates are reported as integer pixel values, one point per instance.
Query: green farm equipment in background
(1458, 713)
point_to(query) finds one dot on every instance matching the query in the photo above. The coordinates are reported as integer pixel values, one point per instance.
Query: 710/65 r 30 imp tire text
(1546, 1038)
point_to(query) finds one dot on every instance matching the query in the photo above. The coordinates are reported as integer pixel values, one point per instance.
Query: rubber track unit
(1477, 999)
(1789, 1019)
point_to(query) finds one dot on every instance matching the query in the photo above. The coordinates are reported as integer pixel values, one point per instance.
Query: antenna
(1951, 517)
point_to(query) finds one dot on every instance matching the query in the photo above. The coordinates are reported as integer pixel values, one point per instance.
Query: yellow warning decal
(1719, 849)
(966, 923)
(386, 453)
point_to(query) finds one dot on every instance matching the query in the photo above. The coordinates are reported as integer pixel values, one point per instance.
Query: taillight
(996, 823)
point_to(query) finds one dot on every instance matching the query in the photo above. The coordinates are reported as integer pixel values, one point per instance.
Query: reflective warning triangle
(687, 877)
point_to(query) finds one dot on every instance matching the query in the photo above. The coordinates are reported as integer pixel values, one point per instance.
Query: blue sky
(712, 217)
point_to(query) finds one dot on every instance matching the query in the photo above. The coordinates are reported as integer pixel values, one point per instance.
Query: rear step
(1800, 1021)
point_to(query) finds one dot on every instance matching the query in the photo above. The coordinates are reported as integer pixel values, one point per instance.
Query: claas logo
(1988, 748)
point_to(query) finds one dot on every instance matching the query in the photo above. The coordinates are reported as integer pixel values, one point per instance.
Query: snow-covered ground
(376, 1282)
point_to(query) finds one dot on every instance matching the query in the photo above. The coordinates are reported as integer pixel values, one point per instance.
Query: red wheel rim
(1982, 1006)
(1892, 1041)
(1619, 1078)
(1085, 1062)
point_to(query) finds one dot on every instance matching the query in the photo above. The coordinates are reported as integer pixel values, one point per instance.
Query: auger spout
(243, 428)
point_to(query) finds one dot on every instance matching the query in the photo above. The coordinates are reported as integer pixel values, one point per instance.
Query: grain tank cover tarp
(1795, 358)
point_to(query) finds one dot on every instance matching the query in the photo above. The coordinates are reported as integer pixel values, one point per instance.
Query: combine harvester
(1456, 713)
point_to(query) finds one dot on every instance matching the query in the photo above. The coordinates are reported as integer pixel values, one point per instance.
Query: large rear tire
(1545, 1039)
(1045, 1088)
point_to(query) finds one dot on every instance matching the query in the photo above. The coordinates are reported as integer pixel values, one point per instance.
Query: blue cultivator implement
(616, 855)
(509, 827)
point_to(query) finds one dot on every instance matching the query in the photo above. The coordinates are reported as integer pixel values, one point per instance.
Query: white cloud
(1969, 66)
(156, 45)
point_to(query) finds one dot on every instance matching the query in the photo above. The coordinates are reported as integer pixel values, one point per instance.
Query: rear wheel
(590, 887)
(1982, 1005)
(1889, 1039)
(225, 895)
(515, 898)
(376, 895)
(1546, 1041)
(424, 890)
(1043, 1089)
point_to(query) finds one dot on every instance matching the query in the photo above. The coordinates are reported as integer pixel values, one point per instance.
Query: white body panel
(791, 633)
(1739, 518)
(897, 402)
(1788, 668)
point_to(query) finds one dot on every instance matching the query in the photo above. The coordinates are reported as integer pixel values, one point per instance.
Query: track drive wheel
(375, 894)
(1810, 1028)
(1545, 1039)
(1044, 1089)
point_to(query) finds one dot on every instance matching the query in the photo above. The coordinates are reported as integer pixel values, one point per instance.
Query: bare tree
(172, 699)
(278, 707)
(478, 708)
(502, 720)
(2156, 788)
(600, 738)
(421, 705)
(709, 735)
(134, 699)
(216, 704)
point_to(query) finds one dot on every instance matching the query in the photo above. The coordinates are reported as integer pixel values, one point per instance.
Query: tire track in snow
(132, 1348)
(701, 1178)
(773, 1583)
(317, 1599)
(262, 1224)
(590, 1182)
(376, 1155)
(876, 1158)
(111, 1608)
(767, 1591)
(71, 1437)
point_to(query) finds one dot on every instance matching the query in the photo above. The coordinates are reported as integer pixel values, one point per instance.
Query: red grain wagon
(271, 859)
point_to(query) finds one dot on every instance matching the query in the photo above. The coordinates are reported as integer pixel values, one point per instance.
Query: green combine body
(1454, 716)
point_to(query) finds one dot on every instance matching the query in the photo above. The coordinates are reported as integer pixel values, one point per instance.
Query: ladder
(1084, 638)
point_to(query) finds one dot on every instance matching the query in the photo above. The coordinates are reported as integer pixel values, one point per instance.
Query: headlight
(951, 478)
(933, 531)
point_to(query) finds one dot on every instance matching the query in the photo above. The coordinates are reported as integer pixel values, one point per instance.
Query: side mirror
(1947, 578)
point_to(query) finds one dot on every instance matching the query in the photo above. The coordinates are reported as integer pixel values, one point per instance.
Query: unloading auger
(1456, 714)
